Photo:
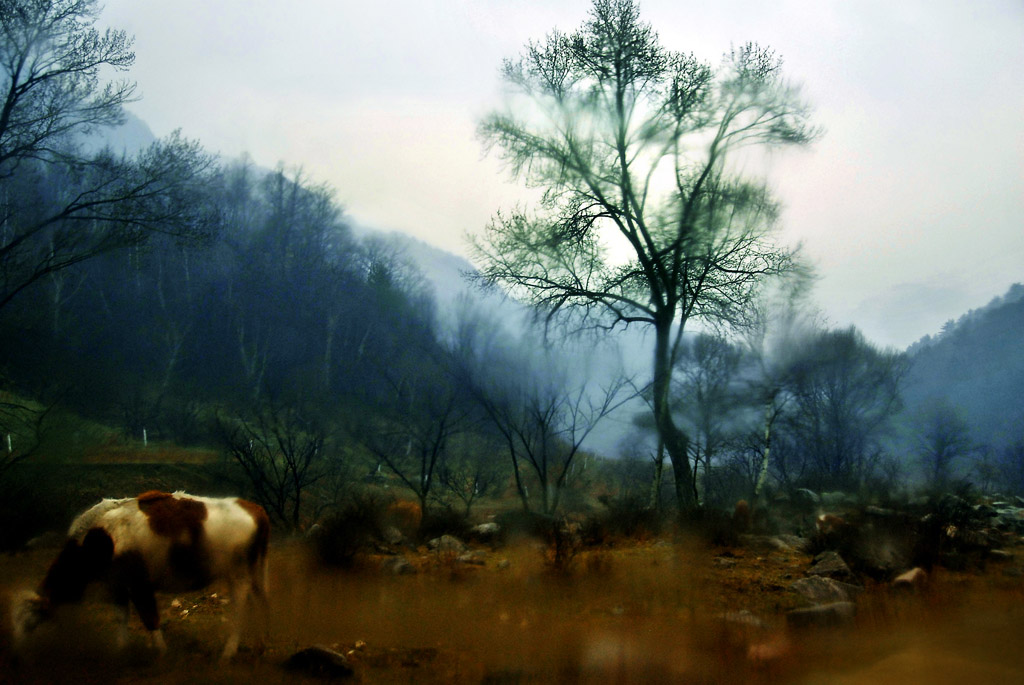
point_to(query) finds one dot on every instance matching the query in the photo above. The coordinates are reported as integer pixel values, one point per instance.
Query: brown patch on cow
(261, 541)
(177, 518)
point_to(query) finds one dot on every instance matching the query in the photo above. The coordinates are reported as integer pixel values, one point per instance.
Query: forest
(171, 297)
(620, 442)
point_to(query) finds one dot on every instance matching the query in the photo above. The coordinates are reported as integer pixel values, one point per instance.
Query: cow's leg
(133, 576)
(124, 610)
(258, 580)
(240, 590)
(145, 601)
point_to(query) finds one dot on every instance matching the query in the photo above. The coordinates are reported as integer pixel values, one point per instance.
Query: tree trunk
(654, 501)
(676, 441)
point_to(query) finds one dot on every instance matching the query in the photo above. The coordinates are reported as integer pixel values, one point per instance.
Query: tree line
(201, 301)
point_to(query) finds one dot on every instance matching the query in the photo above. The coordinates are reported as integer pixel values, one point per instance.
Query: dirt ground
(665, 610)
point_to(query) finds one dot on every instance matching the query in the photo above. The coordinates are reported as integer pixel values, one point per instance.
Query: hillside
(977, 364)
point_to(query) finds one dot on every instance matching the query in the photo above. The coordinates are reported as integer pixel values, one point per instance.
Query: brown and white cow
(157, 541)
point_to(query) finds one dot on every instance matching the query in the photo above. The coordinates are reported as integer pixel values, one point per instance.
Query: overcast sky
(911, 205)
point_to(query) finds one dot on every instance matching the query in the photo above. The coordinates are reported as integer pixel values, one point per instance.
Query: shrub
(444, 521)
(353, 528)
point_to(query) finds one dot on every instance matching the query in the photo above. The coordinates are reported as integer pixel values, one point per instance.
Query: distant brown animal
(156, 541)
(405, 515)
(830, 525)
(741, 518)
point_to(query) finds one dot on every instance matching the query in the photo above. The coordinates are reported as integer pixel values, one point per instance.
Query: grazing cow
(157, 541)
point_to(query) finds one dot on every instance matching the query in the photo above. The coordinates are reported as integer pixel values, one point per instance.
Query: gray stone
(805, 496)
(822, 615)
(795, 542)
(393, 536)
(743, 618)
(475, 558)
(400, 566)
(485, 531)
(319, 662)
(832, 565)
(447, 543)
(912, 579)
(770, 543)
(824, 590)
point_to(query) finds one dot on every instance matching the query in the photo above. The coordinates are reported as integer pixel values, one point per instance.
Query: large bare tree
(642, 220)
(60, 205)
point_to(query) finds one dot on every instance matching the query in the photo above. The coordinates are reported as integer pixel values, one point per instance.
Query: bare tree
(58, 205)
(472, 469)
(544, 417)
(943, 438)
(844, 394)
(709, 397)
(630, 143)
(282, 454)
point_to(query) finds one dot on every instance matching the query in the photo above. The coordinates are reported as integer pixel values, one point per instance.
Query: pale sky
(911, 206)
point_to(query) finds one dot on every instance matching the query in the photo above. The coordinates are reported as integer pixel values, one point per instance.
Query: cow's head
(28, 611)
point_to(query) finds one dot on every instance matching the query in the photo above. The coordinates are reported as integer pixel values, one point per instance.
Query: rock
(806, 497)
(912, 579)
(400, 566)
(319, 662)
(393, 536)
(769, 543)
(824, 590)
(879, 512)
(832, 565)
(822, 615)
(447, 543)
(477, 557)
(486, 532)
(504, 564)
(743, 618)
(725, 562)
(1000, 555)
(795, 542)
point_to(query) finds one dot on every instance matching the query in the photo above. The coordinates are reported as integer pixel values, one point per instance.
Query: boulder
(448, 543)
(486, 532)
(769, 543)
(400, 566)
(830, 564)
(393, 536)
(319, 662)
(822, 615)
(910, 580)
(824, 590)
(476, 557)
(806, 497)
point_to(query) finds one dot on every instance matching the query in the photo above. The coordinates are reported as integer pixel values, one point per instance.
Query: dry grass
(660, 611)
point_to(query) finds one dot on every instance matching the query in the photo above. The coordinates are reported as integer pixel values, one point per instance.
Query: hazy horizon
(910, 206)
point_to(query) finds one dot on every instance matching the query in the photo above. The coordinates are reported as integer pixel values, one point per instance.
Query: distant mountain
(976, 364)
(130, 138)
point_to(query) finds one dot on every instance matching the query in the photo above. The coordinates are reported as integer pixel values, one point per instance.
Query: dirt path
(656, 612)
